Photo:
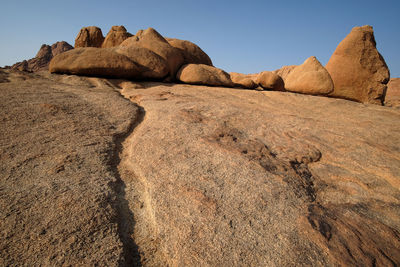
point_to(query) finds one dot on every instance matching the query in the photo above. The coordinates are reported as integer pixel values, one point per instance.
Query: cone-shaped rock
(357, 69)
(89, 37)
(309, 78)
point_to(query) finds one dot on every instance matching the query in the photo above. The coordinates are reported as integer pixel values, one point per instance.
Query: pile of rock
(42, 59)
(356, 70)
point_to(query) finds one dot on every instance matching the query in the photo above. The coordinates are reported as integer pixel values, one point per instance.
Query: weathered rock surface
(204, 74)
(42, 59)
(192, 53)
(115, 36)
(271, 81)
(89, 37)
(243, 80)
(153, 41)
(209, 176)
(309, 78)
(61, 199)
(357, 69)
(392, 98)
(284, 71)
(262, 179)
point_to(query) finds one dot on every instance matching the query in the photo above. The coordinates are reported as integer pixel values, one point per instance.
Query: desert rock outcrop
(43, 57)
(204, 75)
(309, 78)
(153, 41)
(243, 80)
(284, 71)
(89, 37)
(115, 36)
(357, 69)
(270, 80)
(191, 52)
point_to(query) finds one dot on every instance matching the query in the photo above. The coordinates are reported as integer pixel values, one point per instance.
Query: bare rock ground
(194, 176)
(61, 198)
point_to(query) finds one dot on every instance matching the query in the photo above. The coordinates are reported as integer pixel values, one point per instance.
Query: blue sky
(241, 36)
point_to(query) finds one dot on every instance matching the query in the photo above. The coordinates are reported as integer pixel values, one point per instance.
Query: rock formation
(243, 80)
(284, 71)
(115, 36)
(269, 80)
(309, 78)
(204, 75)
(153, 41)
(42, 59)
(89, 37)
(192, 53)
(392, 98)
(357, 69)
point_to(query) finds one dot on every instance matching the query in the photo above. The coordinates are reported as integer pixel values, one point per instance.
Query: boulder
(357, 69)
(204, 75)
(92, 61)
(89, 37)
(243, 80)
(153, 41)
(392, 98)
(284, 71)
(115, 36)
(42, 59)
(309, 78)
(270, 80)
(192, 53)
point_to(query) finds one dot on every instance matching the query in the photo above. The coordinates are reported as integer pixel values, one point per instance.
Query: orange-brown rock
(118, 62)
(204, 74)
(270, 80)
(243, 80)
(309, 78)
(115, 36)
(153, 41)
(192, 53)
(284, 71)
(357, 69)
(89, 37)
(392, 98)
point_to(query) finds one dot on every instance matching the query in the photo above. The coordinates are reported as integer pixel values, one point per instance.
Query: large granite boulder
(357, 69)
(309, 78)
(284, 71)
(89, 37)
(153, 41)
(271, 81)
(392, 98)
(204, 75)
(192, 53)
(115, 36)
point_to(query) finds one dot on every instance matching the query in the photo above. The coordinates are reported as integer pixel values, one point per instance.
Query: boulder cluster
(356, 70)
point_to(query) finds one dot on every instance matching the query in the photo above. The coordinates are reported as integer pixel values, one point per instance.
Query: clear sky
(241, 36)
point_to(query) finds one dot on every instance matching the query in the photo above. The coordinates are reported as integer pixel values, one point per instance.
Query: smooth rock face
(204, 74)
(392, 98)
(43, 57)
(192, 53)
(243, 80)
(153, 41)
(309, 78)
(89, 37)
(115, 36)
(357, 69)
(90, 61)
(271, 81)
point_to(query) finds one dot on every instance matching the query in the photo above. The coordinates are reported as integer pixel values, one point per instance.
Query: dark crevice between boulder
(125, 217)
